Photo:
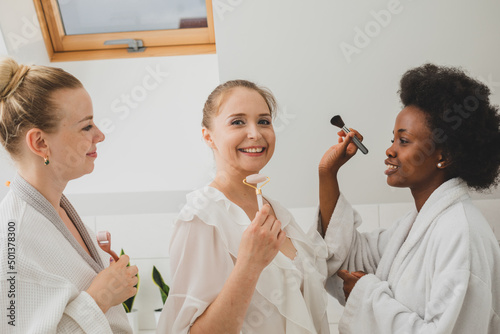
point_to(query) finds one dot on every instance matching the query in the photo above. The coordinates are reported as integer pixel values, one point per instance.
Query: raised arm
(328, 168)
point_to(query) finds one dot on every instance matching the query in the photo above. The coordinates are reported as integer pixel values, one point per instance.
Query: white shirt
(290, 296)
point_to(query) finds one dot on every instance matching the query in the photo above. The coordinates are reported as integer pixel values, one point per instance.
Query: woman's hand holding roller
(259, 245)
(260, 242)
(114, 284)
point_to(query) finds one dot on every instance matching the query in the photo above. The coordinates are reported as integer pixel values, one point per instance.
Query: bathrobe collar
(415, 224)
(33, 197)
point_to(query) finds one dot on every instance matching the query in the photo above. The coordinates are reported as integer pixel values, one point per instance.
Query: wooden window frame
(175, 42)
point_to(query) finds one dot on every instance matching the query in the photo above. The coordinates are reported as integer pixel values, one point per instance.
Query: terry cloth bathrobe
(51, 270)
(290, 296)
(436, 271)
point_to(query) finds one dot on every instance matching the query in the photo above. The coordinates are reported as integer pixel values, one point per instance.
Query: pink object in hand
(104, 241)
(256, 178)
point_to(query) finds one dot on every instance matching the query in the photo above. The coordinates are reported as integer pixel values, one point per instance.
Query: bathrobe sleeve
(372, 308)
(458, 301)
(46, 303)
(349, 249)
(200, 265)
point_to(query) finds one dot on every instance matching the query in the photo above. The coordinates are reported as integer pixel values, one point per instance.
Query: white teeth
(252, 150)
(392, 166)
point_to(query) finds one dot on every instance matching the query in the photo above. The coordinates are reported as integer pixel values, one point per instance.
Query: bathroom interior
(319, 58)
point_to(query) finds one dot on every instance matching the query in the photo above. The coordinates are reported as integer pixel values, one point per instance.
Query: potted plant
(164, 290)
(132, 313)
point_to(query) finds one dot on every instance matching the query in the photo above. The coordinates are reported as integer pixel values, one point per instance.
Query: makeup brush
(256, 179)
(337, 121)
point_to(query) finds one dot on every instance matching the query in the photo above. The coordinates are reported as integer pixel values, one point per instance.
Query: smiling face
(413, 157)
(72, 147)
(241, 134)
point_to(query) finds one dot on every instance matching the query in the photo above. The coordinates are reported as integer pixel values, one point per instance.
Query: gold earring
(46, 161)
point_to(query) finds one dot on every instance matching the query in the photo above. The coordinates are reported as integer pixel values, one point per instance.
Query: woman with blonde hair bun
(54, 278)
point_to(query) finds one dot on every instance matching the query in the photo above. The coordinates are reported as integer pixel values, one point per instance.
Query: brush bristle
(337, 121)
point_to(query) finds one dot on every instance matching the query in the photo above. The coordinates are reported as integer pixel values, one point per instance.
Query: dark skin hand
(350, 280)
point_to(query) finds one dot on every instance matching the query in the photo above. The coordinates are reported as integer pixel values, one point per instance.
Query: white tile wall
(305, 217)
(146, 238)
(148, 297)
(370, 215)
(491, 211)
(141, 236)
(390, 213)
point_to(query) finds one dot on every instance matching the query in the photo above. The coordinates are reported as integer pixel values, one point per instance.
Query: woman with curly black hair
(437, 269)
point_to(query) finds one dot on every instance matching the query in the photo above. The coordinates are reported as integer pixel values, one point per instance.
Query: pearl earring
(440, 165)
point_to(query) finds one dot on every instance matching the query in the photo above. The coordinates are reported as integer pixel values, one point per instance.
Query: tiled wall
(146, 237)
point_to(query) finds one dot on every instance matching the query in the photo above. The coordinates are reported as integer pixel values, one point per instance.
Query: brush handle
(356, 141)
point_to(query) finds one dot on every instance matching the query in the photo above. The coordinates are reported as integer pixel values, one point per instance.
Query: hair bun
(11, 76)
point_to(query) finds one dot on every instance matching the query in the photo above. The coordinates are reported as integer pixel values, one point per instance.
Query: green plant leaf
(158, 280)
(125, 306)
(129, 303)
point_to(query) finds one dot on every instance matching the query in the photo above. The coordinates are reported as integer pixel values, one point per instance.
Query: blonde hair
(25, 100)
(214, 100)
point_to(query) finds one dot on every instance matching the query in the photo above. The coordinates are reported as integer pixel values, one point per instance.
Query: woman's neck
(422, 194)
(232, 186)
(45, 183)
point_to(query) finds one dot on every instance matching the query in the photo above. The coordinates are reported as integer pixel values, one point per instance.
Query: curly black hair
(463, 122)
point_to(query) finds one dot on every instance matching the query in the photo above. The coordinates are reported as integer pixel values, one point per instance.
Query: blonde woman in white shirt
(53, 276)
(235, 268)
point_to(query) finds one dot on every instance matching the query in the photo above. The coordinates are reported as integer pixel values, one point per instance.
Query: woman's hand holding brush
(337, 155)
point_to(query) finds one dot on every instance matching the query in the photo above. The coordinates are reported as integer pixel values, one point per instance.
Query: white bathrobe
(436, 271)
(51, 270)
(290, 296)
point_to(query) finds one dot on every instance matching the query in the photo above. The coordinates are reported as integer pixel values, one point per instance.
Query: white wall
(3, 47)
(293, 47)
(153, 140)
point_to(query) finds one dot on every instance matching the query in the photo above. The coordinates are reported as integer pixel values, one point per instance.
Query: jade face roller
(256, 179)
(337, 121)
(104, 241)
